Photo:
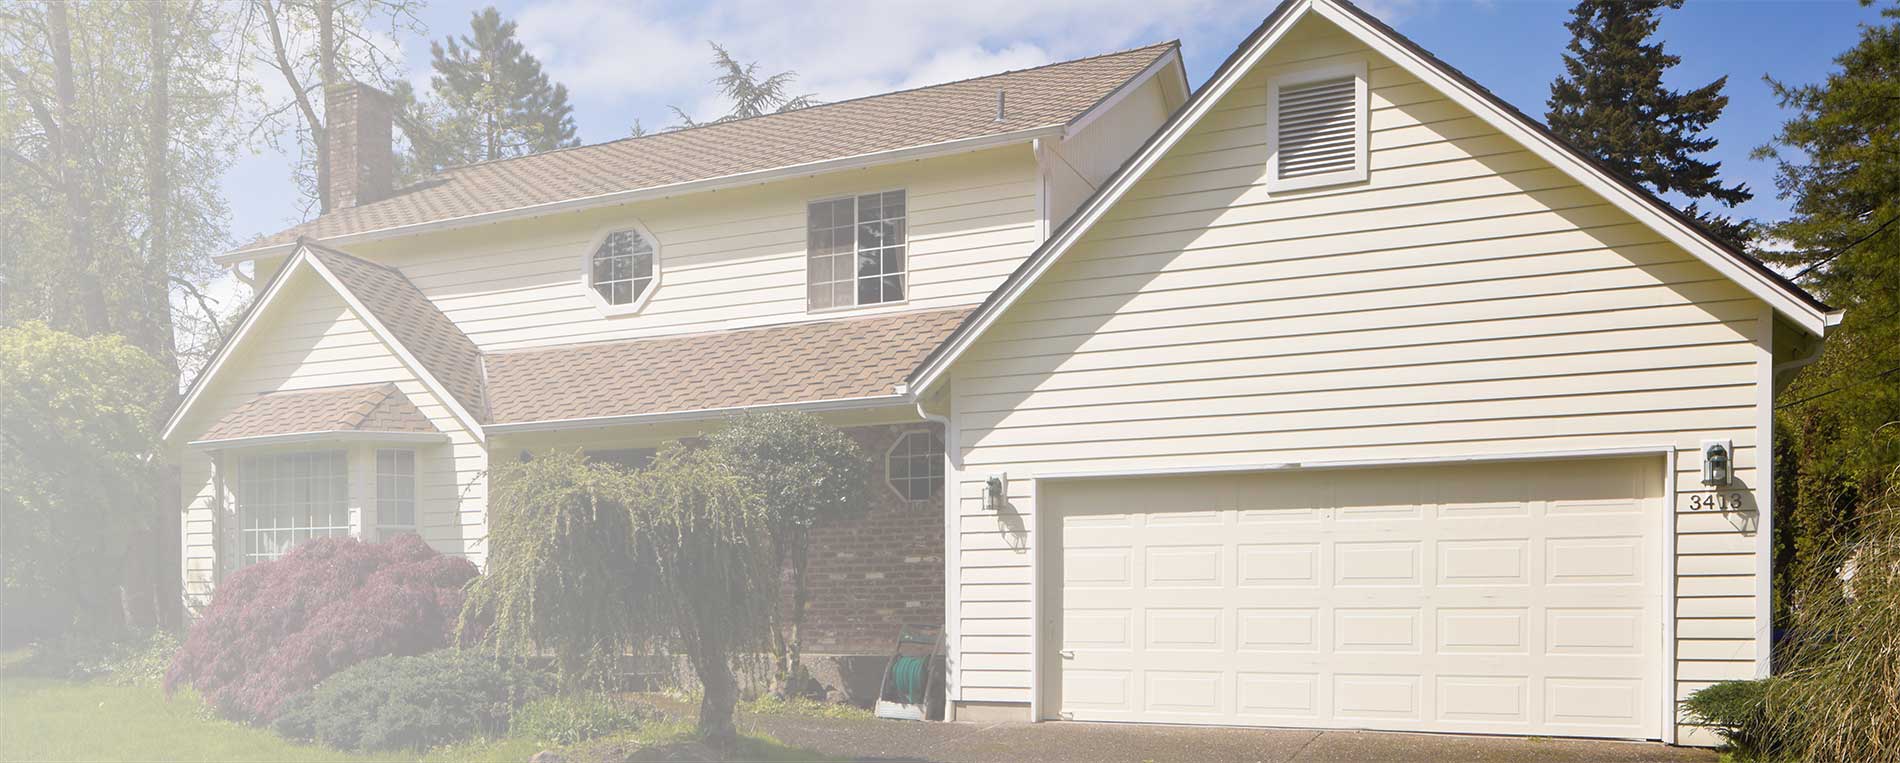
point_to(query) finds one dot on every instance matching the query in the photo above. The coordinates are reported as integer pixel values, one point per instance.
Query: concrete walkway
(876, 740)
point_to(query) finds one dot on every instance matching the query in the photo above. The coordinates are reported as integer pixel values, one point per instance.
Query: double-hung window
(855, 249)
(287, 498)
(395, 492)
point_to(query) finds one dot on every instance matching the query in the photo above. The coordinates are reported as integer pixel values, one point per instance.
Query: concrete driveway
(878, 740)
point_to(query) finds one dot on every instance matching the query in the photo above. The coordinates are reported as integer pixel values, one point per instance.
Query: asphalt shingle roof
(794, 363)
(1055, 94)
(448, 354)
(354, 408)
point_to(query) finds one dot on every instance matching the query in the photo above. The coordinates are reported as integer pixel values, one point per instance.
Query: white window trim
(600, 303)
(891, 482)
(806, 260)
(373, 516)
(1361, 117)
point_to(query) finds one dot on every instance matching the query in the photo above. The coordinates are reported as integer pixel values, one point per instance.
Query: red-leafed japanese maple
(277, 628)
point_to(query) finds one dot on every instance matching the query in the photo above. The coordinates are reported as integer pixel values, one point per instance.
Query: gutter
(911, 153)
(290, 438)
(838, 404)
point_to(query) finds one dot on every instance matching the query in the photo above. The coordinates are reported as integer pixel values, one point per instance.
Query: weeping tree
(805, 471)
(703, 582)
(558, 566)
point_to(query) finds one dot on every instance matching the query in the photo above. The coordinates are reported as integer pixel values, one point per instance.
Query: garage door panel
(1496, 598)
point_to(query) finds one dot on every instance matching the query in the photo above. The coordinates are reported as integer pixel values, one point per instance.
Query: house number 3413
(1715, 502)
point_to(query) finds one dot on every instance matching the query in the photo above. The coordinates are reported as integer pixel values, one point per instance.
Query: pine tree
(1611, 103)
(750, 94)
(1838, 162)
(497, 102)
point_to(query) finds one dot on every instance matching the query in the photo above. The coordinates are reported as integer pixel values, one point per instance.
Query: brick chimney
(362, 164)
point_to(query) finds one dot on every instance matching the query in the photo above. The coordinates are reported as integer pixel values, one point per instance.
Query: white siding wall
(1469, 299)
(1078, 165)
(312, 339)
(727, 259)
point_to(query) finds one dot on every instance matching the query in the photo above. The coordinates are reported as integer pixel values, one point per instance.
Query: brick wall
(881, 571)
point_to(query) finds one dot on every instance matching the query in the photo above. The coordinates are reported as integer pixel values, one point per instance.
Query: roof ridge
(1174, 43)
(715, 332)
(311, 243)
(375, 398)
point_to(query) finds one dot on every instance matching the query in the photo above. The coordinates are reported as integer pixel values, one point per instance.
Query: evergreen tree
(1838, 448)
(751, 95)
(1611, 103)
(497, 102)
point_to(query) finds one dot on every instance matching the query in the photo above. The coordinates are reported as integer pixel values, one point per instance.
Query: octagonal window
(621, 269)
(915, 466)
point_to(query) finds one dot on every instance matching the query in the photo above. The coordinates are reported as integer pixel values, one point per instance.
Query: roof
(796, 363)
(1671, 222)
(442, 349)
(355, 408)
(1051, 95)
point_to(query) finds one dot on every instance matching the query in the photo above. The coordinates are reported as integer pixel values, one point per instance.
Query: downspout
(1042, 192)
(952, 484)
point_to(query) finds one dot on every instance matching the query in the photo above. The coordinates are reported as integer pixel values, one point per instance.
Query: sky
(627, 60)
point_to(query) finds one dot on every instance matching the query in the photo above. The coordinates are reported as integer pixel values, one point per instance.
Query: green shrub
(1735, 709)
(571, 719)
(1837, 693)
(135, 661)
(396, 703)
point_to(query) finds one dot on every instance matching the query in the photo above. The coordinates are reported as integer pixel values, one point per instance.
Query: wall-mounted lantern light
(996, 492)
(1717, 462)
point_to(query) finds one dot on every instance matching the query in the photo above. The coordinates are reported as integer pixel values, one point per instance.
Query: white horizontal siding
(1468, 300)
(311, 339)
(727, 259)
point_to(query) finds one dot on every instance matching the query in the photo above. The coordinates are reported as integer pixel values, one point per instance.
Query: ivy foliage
(78, 420)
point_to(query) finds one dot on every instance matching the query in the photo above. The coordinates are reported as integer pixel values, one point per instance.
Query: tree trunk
(156, 335)
(794, 651)
(326, 67)
(71, 147)
(719, 694)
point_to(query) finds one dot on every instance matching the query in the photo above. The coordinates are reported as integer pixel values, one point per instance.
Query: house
(1335, 393)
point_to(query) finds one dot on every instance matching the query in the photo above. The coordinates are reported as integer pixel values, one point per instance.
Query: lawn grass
(51, 720)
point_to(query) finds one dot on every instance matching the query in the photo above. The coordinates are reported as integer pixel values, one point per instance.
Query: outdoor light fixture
(996, 492)
(1717, 462)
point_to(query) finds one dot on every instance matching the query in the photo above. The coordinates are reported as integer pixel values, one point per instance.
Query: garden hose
(907, 677)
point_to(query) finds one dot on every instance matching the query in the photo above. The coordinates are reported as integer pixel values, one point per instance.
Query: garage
(1496, 597)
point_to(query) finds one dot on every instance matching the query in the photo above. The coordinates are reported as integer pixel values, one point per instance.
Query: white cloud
(632, 59)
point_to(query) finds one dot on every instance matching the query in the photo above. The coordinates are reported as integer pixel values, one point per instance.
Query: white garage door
(1512, 598)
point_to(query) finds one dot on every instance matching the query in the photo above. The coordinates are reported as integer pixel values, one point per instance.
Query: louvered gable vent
(1319, 131)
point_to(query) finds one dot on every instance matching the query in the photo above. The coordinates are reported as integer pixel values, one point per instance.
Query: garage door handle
(1067, 654)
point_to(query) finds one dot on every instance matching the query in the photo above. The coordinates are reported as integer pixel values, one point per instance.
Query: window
(395, 492)
(622, 268)
(915, 466)
(855, 251)
(1316, 128)
(287, 498)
